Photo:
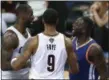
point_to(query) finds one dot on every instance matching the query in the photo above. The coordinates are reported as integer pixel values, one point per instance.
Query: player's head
(50, 17)
(82, 26)
(24, 13)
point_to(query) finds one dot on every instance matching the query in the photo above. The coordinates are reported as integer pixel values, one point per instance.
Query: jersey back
(49, 60)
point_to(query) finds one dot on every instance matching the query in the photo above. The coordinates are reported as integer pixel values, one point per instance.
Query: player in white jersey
(13, 41)
(48, 51)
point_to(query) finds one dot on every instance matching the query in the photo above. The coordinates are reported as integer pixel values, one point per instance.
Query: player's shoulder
(33, 39)
(10, 39)
(68, 41)
(95, 48)
(10, 31)
(10, 34)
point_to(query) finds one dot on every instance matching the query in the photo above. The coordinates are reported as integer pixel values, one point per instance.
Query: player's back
(49, 60)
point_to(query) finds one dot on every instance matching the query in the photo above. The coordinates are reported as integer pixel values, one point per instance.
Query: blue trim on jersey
(87, 71)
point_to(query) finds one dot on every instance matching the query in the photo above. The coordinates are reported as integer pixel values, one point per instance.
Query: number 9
(51, 63)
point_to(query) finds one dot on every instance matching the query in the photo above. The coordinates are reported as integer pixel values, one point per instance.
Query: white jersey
(49, 60)
(20, 73)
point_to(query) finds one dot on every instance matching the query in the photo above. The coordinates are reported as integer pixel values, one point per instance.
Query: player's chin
(75, 34)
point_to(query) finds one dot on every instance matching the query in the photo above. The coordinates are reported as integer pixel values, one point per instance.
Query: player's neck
(82, 39)
(50, 30)
(20, 26)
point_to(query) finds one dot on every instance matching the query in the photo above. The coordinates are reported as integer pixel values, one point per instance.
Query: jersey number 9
(51, 63)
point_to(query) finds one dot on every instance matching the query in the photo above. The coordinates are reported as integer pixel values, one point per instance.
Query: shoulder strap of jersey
(28, 32)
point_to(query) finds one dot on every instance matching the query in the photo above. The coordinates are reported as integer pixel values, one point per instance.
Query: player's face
(28, 16)
(78, 27)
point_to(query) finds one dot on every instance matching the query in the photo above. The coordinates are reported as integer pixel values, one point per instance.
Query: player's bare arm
(28, 50)
(72, 59)
(97, 58)
(9, 43)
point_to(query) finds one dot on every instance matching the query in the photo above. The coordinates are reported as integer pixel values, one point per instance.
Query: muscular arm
(97, 58)
(28, 49)
(72, 60)
(9, 43)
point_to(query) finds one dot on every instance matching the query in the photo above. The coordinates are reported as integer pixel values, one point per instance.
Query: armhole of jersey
(88, 52)
(37, 45)
(28, 32)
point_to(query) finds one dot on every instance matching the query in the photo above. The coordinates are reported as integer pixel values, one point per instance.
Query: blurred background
(68, 11)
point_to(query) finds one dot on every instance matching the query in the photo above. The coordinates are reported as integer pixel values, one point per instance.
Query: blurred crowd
(68, 11)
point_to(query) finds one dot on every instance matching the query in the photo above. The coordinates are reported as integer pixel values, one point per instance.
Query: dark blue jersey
(87, 70)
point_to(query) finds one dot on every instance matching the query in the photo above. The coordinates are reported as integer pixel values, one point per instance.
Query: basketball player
(13, 41)
(89, 53)
(49, 51)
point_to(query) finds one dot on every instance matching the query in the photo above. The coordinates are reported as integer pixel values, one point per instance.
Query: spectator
(101, 18)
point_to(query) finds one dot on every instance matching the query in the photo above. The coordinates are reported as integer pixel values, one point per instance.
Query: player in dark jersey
(89, 53)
